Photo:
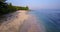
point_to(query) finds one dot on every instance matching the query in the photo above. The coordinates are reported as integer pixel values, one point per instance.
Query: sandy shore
(20, 21)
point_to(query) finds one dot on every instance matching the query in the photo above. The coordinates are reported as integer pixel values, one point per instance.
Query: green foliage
(3, 7)
(8, 8)
(2, 0)
(22, 8)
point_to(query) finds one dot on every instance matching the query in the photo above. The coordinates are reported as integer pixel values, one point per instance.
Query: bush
(8, 8)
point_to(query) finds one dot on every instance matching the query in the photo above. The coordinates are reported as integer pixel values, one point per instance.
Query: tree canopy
(8, 8)
(2, 0)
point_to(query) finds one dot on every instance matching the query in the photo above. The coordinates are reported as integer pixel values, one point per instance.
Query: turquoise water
(49, 18)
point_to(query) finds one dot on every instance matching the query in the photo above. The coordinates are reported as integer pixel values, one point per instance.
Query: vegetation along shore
(6, 8)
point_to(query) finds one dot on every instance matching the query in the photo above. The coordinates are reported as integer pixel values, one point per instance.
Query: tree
(3, 6)
(27, 8)
(2, 0)
(6, 8)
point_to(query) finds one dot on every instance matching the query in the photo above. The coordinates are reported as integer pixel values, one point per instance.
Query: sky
(37, 4)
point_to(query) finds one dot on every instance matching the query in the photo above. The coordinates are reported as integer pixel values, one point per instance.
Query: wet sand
(20, 21)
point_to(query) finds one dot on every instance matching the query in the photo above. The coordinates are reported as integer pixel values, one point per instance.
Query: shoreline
(22, 22)
(13, 22)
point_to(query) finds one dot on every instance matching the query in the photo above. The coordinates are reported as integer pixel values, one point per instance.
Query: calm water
(21, 20)
(49, 18)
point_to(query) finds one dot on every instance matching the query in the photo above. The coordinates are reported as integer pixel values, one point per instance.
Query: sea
(50, 18)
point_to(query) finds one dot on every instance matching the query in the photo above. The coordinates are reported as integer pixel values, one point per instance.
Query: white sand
(21, 22)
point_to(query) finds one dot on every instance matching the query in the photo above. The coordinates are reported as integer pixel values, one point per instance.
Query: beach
(20, 21)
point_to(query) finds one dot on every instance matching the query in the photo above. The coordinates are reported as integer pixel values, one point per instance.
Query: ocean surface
(50, 18)
(45, 20)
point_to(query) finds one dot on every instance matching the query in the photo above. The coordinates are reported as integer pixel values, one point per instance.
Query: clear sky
(37, 4)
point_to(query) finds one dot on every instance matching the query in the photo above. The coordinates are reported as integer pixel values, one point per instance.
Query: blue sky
(37, 4)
